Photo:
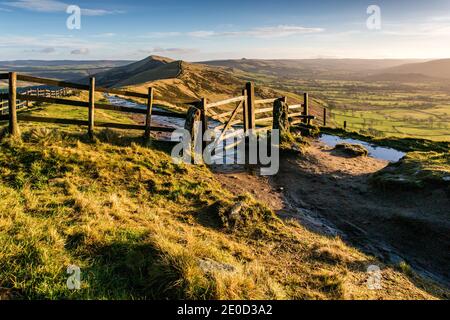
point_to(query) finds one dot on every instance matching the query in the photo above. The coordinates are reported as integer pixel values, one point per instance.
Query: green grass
(401, 144)
(384, 109)
(416, 170)
(141, 227)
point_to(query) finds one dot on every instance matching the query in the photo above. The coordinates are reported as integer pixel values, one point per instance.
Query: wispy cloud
(159, 35)
(263, 32)
(104, 35)
(435, 28)
(54, 6)
(47, 50)
(260, 32)
(81, 51)
(173, 51)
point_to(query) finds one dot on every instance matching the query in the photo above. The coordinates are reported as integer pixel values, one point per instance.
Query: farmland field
(380, 108)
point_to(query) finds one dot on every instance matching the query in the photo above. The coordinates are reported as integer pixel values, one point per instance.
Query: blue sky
(205, 30)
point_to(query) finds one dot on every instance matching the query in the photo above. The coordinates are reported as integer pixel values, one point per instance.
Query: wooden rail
(246, 103)
(19, 99)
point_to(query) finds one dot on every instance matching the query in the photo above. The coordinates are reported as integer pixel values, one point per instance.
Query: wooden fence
(4, 104)
(13, 96)
(248, 112)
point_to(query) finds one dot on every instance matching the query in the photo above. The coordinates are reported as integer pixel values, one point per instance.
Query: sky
(210, 30)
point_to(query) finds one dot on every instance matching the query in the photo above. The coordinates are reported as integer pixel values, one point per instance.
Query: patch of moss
(243, 215)
(416, 170)
(307, 130)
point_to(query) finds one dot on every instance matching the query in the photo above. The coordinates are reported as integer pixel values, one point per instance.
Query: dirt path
(330, 194)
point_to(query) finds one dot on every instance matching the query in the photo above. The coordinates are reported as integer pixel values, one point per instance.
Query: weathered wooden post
(204, 110)
(306, 107)
(193, 117)
(251, 105)
(27, 103)
(281, 115)
(91, 107)
(148, 116)
(245, 111)
(12, 100)
(324, 117)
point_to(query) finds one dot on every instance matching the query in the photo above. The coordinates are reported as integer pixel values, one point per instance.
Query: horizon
(258, 59)
(204, 31)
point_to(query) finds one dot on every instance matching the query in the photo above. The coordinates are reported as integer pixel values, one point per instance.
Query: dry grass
(142, 227)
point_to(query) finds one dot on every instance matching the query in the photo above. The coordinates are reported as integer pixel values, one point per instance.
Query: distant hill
(310, 68)
(60, 69)
(399, 77)
(434, 69)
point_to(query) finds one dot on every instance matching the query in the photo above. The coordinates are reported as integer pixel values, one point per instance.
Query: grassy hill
(178, 82)
(439, 69)
(309, 68)
(140, 226)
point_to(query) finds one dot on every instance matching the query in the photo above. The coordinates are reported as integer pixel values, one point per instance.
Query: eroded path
(330, 194)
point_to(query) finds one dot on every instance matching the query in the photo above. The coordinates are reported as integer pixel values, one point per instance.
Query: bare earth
(330, 194)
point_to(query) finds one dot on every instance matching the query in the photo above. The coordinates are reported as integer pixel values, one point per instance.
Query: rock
(235, 210)
(281, 116)
(209, 265)
(352, 150)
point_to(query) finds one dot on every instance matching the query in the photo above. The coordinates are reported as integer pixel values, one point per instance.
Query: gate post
(251, 105)
(148, 117)
(306, 107)
(12, 100)
(91, 108)
(204, 118)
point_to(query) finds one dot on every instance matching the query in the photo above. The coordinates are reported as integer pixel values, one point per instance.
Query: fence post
(148, 117)
(204, 109)
(306, 107)
(245, 111)
(345, 125)
(12, 101)
(91, 107)
(324, 117)
(251, 104)
(27, 103)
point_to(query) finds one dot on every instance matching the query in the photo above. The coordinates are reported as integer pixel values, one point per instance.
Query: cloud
(162, 34)
(54, 6)
(427, 29)
(261, 32)
(105, 35)
(80, 51)
(47, 50)
(202, 34)
(175, 51)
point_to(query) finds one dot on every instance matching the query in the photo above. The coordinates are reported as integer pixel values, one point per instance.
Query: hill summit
(178, 81)
(149, 69)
